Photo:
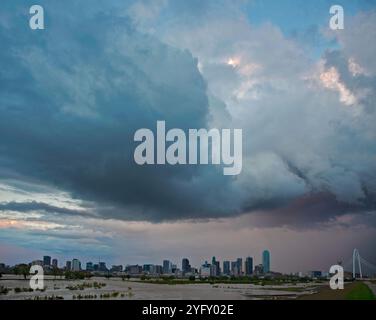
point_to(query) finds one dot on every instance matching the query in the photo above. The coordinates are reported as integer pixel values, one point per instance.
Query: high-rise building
(158, 269)
(226, 268)
(266, 261)
(148, 268)
(103, 267)
(239, 263)
(54, 263)
(89, 266)
(76, 265)
(46, 260)
(185, 266)
(248, 266)
(205, 270)
(216, 267)
(68, 266)
(259, 270)
(167, 267)
(234, 268)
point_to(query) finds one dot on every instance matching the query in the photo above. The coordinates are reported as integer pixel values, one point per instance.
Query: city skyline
(243, 266)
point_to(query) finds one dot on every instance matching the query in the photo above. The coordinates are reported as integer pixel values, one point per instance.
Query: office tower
(205, 270)
(54, 263)
(117, 268)
(103, 267)
(167, 267)
(259, 270)
(185, 266)
(216, 267)
(68, 266)
(158, 269)
(76, 265)
(89, 266)
(148, 268)
(239, 263)
(133, 269)
(248, 266)
(234, 268)
(266, 261)
(226, 268)
(46, 260)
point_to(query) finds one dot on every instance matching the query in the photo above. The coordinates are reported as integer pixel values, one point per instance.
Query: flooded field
(14, 287)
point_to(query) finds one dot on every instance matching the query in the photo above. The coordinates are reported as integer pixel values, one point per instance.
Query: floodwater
(116, 288)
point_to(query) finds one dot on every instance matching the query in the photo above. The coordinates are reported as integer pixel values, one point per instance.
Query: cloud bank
(72, 96)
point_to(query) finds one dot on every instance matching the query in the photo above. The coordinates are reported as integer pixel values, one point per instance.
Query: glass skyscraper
(266, 261)
(248, 266)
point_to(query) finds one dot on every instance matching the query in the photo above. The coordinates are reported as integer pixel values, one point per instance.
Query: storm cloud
(72, 96)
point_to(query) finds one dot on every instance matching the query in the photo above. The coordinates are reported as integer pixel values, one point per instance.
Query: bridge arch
(356, 256)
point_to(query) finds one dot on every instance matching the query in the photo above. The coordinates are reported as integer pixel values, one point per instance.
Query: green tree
(22, 269)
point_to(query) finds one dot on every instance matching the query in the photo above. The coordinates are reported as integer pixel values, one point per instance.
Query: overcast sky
(72, 96)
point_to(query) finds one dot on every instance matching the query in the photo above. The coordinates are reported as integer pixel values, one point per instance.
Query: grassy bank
(352, 291)
(360, 292)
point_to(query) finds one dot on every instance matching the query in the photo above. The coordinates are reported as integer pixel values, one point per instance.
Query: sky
(72, 96)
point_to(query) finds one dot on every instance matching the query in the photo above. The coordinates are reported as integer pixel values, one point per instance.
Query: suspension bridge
(359, 267)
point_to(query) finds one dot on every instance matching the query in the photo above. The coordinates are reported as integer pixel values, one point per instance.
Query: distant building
(205, 270)
(117, 268)
(76, 265)
(158, 269)
(89, 266)
(102, 267)
(185, 266)
(213, 270)
(149, 268)
(249, 266)
(226, 268)
(134, 269)
(68, 266)
(167, 267)
(234, 268)
(47, 261)
(216, 267)
(266, 261)
(54, 263)
(259, 270)
(37, 263)
(239, 263)
(315, 274)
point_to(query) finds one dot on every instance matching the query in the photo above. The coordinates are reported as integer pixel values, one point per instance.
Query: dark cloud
(68, 117)
(72, 96)
(39, 206)
(315, 210)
